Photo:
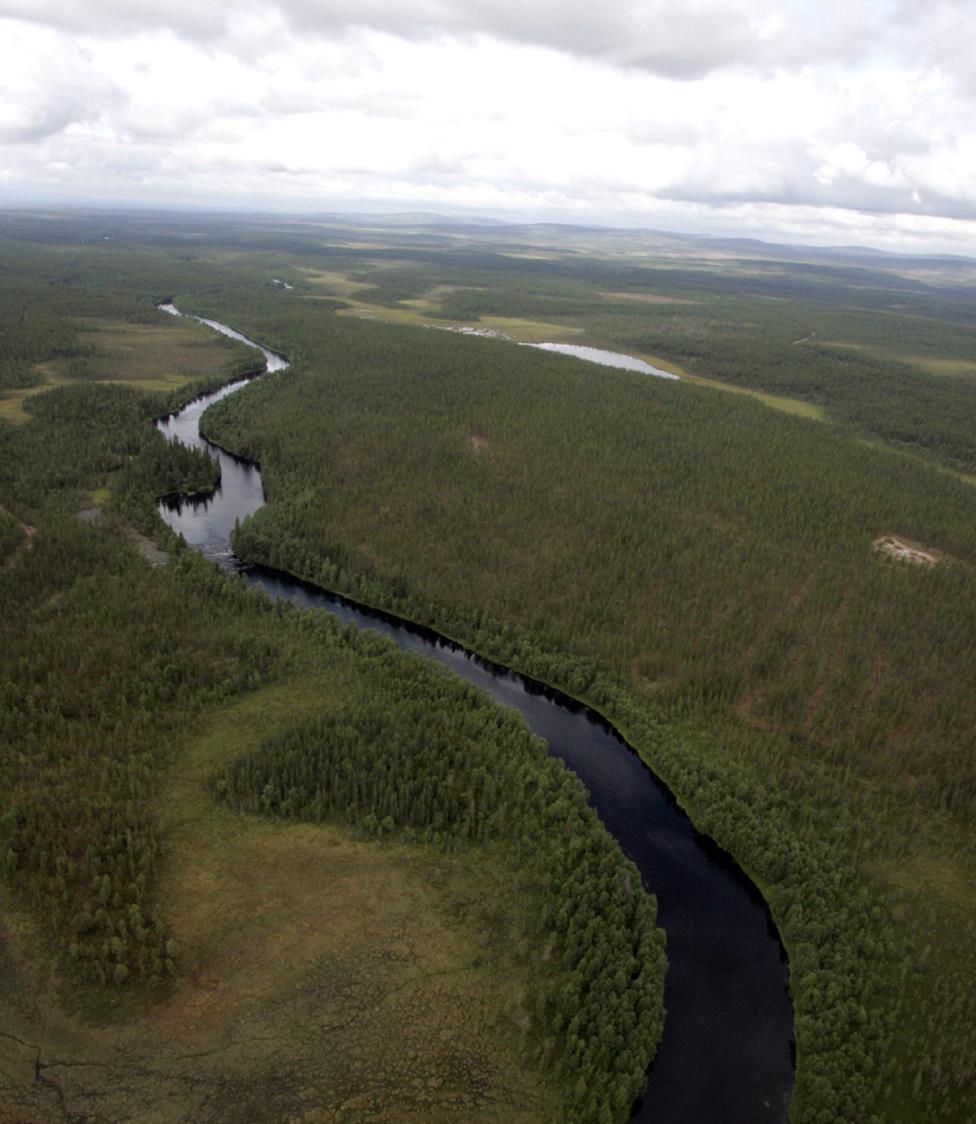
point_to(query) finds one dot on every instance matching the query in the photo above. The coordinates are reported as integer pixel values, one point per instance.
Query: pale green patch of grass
(422, 304)
(152, 356)
(934, 900)
(524, 331)
(937, 366)
(337, 283)
(919, 458)
(647, 298)
(848, 345)
(530, 331)
(12, 401)
(931, 364)
(795, 406)
(361, 310)
(929, 873)
(235, 731)
(163, 382)
(354, 244)
(432, 301)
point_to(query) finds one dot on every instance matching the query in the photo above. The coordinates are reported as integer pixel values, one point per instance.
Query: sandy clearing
(908, 551)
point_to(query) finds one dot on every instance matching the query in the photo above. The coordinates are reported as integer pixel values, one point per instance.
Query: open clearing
(12, 401)
(648, 298)
(948, 367)
(931, 364)
(337, 283)
(422, 311)
(145, 356)
(907, 551)
(322, 978)
(155, 356)
(794, 406)
(529, 331)
(520, 330)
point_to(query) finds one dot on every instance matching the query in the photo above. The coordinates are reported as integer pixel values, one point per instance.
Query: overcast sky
(811, 120)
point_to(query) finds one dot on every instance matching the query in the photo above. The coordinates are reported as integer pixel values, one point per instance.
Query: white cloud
(676, 38)
(46, 84)
(707, 113)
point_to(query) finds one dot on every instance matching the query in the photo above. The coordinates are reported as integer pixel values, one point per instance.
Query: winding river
(727, 1052)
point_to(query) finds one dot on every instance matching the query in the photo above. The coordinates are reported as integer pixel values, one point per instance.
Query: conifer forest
(259, 864)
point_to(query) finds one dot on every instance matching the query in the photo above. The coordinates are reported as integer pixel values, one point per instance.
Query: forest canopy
(688, 557)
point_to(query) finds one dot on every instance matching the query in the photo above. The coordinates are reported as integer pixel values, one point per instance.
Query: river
(727, 1053)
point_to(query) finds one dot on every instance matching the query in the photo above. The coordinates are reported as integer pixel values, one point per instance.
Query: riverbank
(764, 1047)
(700, 557)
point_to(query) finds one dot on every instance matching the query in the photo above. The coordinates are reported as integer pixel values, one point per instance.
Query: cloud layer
(761, 116)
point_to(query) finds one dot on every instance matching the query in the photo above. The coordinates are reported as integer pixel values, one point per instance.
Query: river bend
(726, 1056)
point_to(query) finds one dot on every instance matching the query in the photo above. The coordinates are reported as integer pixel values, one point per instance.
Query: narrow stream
(727, 1052)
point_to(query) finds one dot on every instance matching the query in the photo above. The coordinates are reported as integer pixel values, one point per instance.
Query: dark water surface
(727, 1052)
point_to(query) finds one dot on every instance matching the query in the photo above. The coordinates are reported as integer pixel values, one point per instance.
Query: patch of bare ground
(895, 546)
(477, 443)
